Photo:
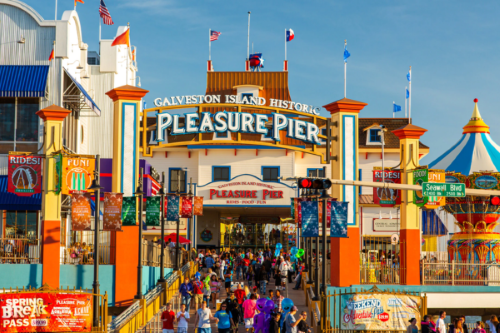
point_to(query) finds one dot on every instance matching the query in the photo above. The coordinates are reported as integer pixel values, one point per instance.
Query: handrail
(185, 268)
(153, 293)
(124, 317)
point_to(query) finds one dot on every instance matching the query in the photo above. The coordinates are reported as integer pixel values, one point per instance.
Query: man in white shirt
(182, 319)
(203, 317)
(440, 325)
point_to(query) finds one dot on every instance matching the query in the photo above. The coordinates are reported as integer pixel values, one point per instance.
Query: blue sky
(452, 47)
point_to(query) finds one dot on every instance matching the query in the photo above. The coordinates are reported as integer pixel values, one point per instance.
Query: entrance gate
(351, 310)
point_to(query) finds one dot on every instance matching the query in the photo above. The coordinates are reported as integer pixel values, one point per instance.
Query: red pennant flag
(80, 1)
(51, 55)
(123, 39)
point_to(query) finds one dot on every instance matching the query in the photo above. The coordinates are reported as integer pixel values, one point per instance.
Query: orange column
(53, 117)
(409, 137)
(345, 251)
(126, 129)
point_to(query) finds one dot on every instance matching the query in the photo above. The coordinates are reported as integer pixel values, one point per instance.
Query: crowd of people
(245, 278)
(458, 325)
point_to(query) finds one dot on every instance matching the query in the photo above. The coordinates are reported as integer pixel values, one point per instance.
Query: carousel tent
(474, 152)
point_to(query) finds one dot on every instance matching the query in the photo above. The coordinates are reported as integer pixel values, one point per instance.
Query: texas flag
(289, 35)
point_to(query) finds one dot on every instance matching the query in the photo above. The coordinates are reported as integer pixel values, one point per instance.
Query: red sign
(386, 197)
(25, 175)
(383, 317)
(45, 312)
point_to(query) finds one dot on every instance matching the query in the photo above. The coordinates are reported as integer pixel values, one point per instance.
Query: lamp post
(325, 198)
(316, 266)
(162, 235)
(140, 193)
(97, 196)
(178, 193)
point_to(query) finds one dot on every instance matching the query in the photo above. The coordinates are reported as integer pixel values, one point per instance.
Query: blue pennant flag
(397, 108)
(407, 93)
(408, 76)
(338, 215)
(310, 222)
(346, 53)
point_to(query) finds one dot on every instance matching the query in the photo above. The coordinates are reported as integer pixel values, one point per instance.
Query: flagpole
(209, 44)
(393, 103)
(406, 102)
(285, 44)
(128, 49)
(248, 37)
(345, 70)
(56, 11)
(54, 73)
(409, 99)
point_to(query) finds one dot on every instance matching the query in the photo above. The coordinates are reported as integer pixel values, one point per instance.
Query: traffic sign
(456, 190)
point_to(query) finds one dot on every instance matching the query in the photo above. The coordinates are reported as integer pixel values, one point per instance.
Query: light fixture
(22, 40)
(380, 215)
(139, 83)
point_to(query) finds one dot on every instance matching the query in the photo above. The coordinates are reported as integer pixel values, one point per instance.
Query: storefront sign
(77, 174)
(129, 212)
(25, 175)
(386, 197)
(383, 312)
(235, 99)
(385, 225)
(244, 122)
(112, 213)
(81, 211)
(246, 190)
(153, 211)
(45, 312)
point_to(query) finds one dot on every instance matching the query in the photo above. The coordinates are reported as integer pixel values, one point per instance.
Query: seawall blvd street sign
(456, 190)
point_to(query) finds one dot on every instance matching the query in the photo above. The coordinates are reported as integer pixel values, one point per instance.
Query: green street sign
(456, 190)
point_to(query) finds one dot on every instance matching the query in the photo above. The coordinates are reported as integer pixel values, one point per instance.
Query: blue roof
(10, 201)
(90, 102)
(23, 81)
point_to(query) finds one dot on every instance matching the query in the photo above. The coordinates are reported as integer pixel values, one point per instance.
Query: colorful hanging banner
(77, 174)
(338, 226)
(386, 197)
(129, 211)
(310, 225)
(153, 211)
(81, 211)
(292, 207)
(57, 173)
(173, 208)
(24, 175)
(112, 211)
(198, 206)
(328, 212)
(187, 207)
(296, 204)
(436, 176)
(320, 211)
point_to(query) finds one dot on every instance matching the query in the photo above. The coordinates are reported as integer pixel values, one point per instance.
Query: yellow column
(53, 117)
(409, 137)
(126, 130)
(345, 251)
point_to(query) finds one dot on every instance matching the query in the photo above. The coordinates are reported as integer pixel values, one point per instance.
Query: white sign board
(246, 190)
(385, 225)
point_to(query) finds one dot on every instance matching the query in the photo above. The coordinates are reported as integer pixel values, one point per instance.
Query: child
(479, 327)
(250, 276)
(207, 291)
(228, 277)
(274, 323)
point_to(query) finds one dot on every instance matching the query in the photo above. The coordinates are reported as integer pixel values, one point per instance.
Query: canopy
(86, 97)
(474, 152)
(173, 238)
(23, 81)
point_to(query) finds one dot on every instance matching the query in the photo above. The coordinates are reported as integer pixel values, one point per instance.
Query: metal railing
(151, 255)
(380, 273)
(80, 249)
(473, 274)
(19, 251)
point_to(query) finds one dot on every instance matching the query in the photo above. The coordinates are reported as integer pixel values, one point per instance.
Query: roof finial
(476, 123)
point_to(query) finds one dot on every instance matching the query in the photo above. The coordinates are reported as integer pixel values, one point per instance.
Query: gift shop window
(19, 124)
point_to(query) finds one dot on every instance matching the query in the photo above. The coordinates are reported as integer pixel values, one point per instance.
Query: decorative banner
(77, 174)
(338, 226)
(436, 176)
(57, 173)
(187, 207)
(419, 176)
(173, 208)
(328, 212)
(297, 215)
(198, 206)
(320, 211)
(310, 225)
(81, 211)
(45, 312)
(386, 197)
(153, 211)
(292, 207)
(378, 312)
(129, 211)
(25, 175)
(483, 180)
(112, 215)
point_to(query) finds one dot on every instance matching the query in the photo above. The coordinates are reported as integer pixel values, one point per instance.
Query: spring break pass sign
(364, 312)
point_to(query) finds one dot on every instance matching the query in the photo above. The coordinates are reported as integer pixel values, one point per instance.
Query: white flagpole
(56, 11)
(248, 37)
(285, 44)
(128, 50)
(393, 113)
(406, 102)
(54, 74)
(345, 71)
(209, 44)
(409, 100)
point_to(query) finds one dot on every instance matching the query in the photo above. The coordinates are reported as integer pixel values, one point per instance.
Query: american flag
(103, 11)
(214, 35)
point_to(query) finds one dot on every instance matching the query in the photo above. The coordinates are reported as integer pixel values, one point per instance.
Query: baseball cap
(294, 308)
(254, 287)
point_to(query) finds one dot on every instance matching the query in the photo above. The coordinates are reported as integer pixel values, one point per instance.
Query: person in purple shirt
(186, 290)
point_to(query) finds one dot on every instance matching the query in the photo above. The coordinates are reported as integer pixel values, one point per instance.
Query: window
(270, 174)
(24, 135)
(221, 173)
(315, 173)
(174, 181)
(21, 224)
(375, 135)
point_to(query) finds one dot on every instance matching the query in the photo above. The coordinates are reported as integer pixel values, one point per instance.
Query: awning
(86, 97)
(432, 224)
(23, 81)
(10, 201)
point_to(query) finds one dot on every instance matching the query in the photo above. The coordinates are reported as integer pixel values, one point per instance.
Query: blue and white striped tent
(475, 151)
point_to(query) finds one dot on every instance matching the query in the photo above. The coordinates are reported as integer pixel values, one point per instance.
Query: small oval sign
(487, 182)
